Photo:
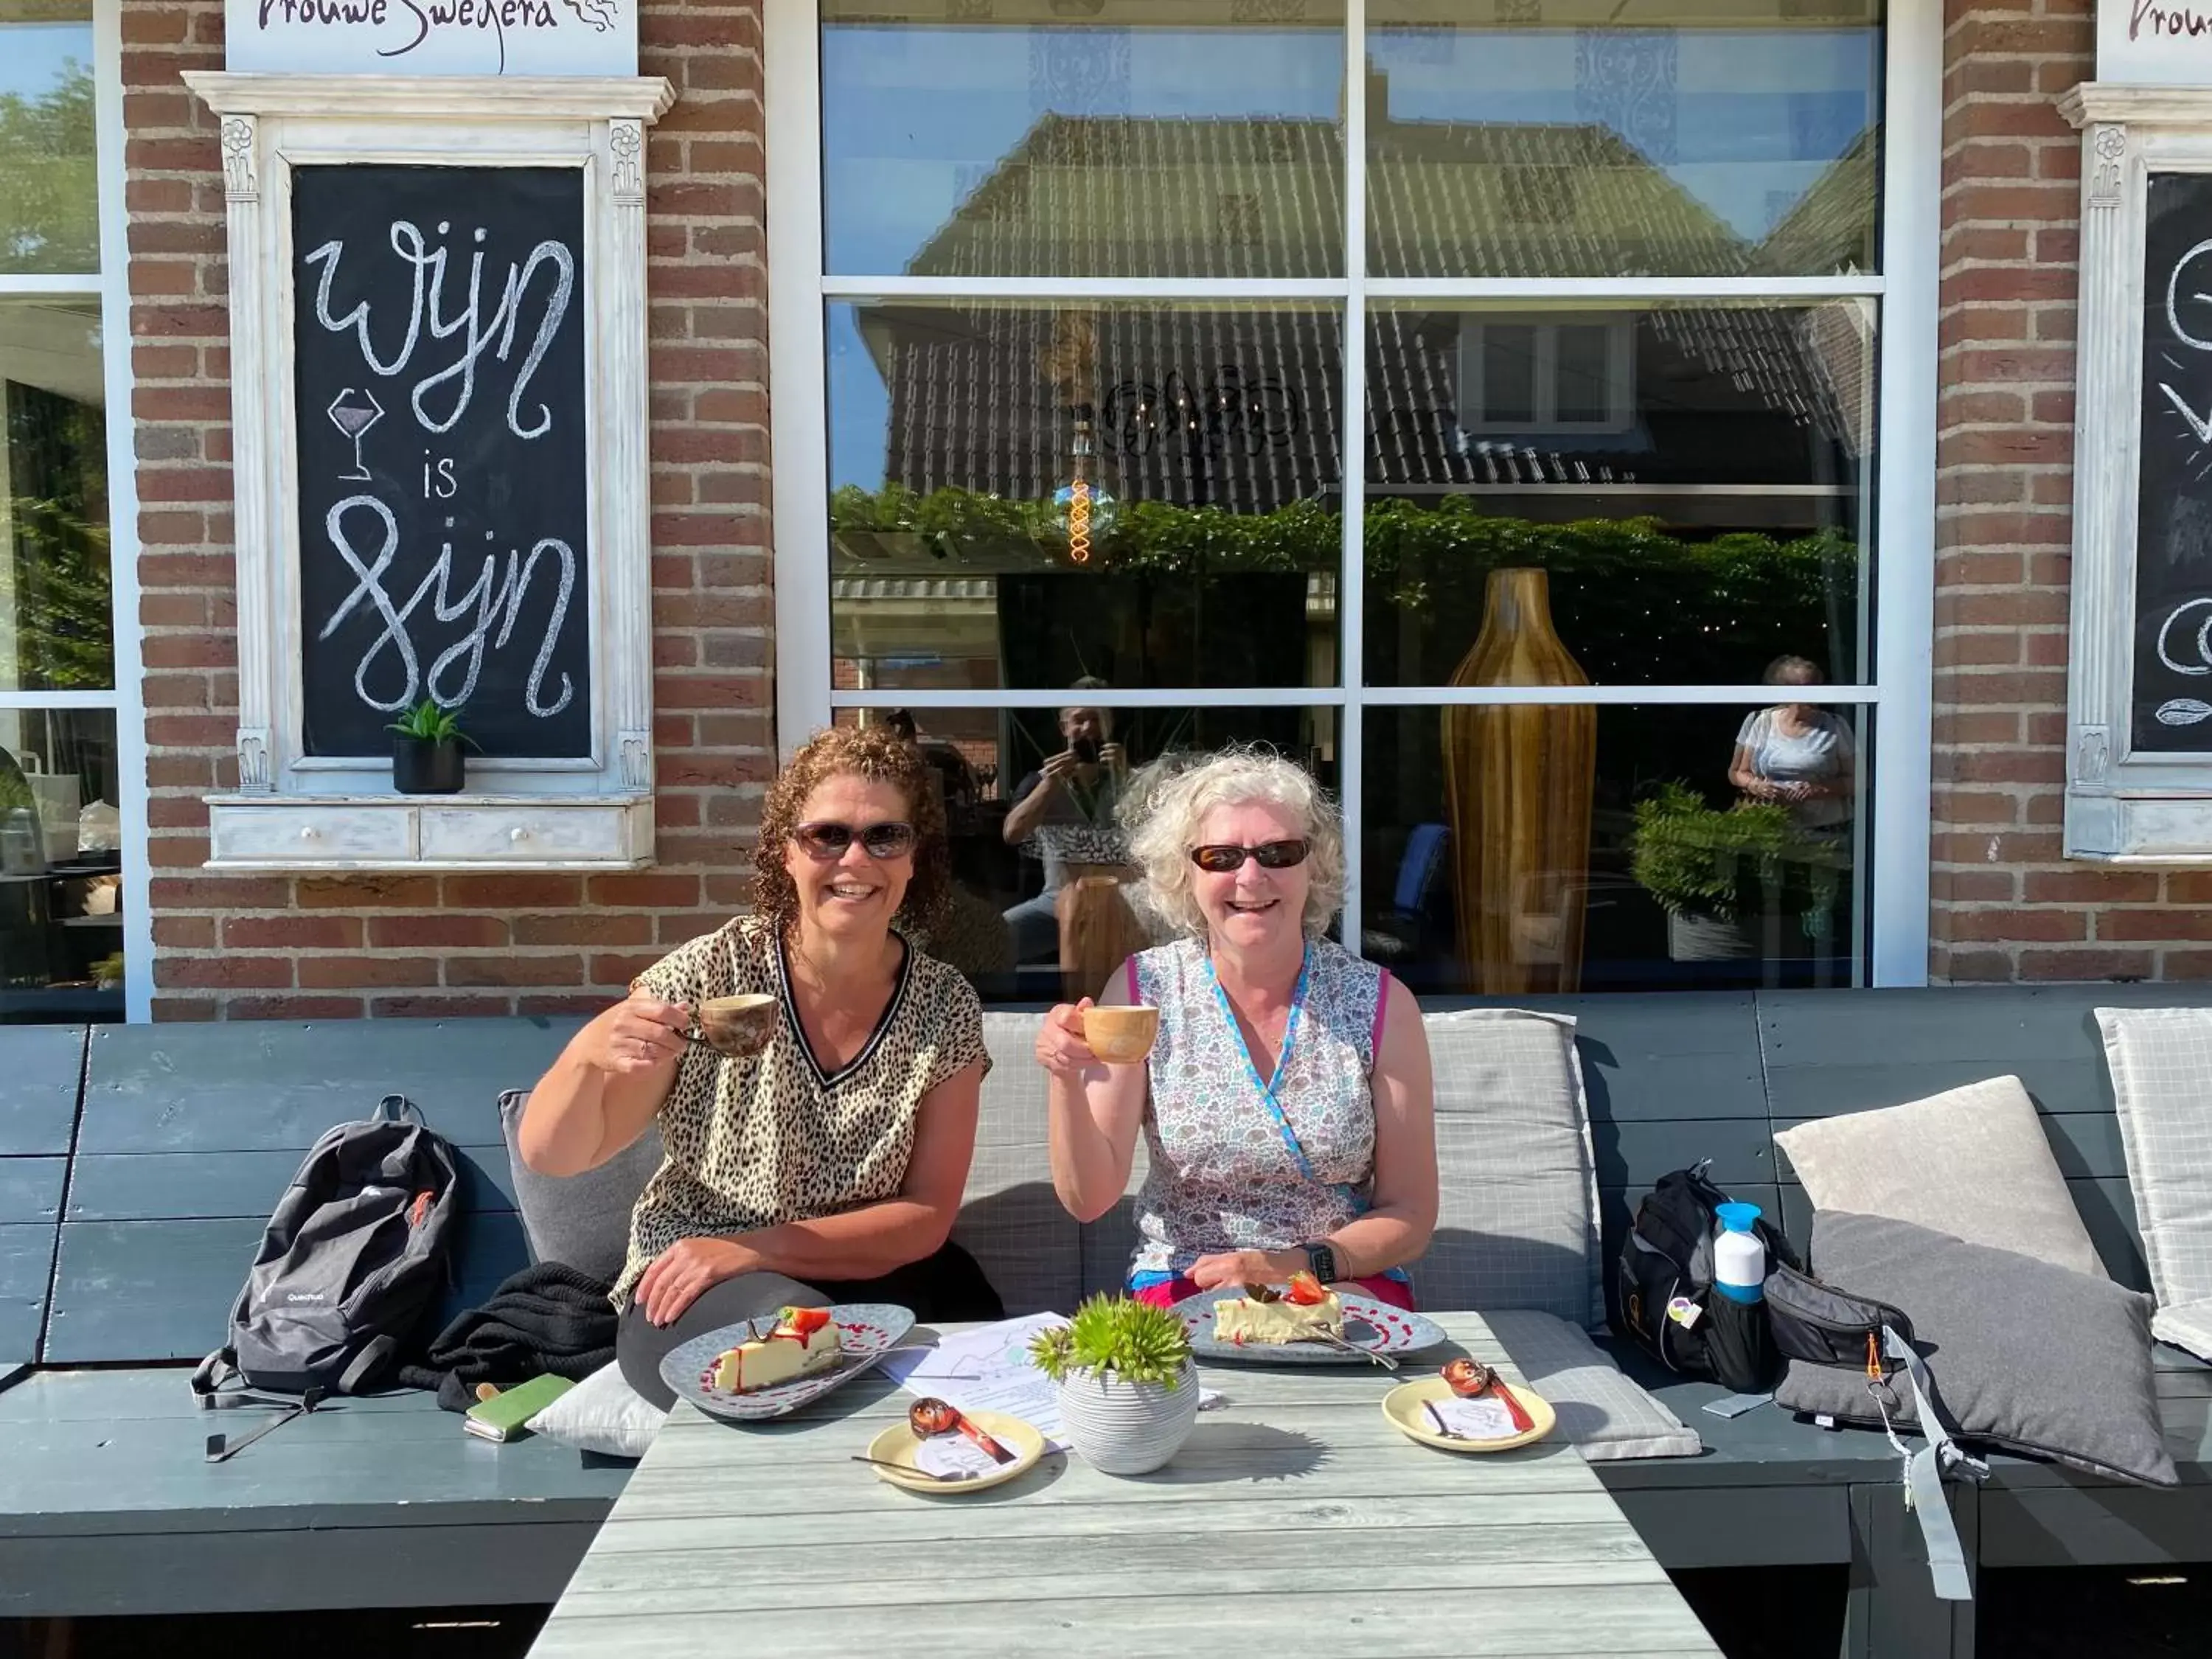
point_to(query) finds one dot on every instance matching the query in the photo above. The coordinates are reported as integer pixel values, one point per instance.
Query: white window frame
(1894, 844)
(1474, 417)
(110, 289)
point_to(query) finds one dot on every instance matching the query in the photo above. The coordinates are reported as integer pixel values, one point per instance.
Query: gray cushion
(1517, 1226)
(2161, 1064)
(1011, 1220)
(2026, 1356)
(1602, 1412)
(1972, 1162)
(579, 1221)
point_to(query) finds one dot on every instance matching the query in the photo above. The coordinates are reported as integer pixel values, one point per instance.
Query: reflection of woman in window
(1798, 755)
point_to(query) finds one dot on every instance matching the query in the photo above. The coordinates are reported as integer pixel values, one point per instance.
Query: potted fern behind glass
(1129, 1390)
(426, 751)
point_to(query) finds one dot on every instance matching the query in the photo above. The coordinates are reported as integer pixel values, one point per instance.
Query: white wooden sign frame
(2123, 805)
(292, 811)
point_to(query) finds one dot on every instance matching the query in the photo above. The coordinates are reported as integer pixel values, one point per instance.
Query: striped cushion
(2161, 1064)
(1517, 1223)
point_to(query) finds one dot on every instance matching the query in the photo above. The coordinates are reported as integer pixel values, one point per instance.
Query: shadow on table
(1218, 1453)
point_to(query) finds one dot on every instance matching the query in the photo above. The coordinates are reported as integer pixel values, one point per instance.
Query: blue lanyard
(1266, 1089)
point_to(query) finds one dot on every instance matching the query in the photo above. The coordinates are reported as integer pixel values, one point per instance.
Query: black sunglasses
(825, 842)
(1219, 860)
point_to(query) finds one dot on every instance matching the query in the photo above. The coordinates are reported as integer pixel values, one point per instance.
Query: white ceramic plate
(1375, 1325)
(895, 1451)
(867, 1331)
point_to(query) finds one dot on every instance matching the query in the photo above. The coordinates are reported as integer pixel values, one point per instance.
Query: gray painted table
(1294, 1519)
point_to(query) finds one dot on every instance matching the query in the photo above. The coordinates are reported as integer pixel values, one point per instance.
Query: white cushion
(1601, 1411)
(2162, 1065)
(602, 1413)
(1971, 1163)
(1516, 1222)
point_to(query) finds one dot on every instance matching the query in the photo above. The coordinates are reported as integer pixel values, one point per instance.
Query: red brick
(2061, 965)
(517, 893)
(224, 972)
(514, 970)
(430, 932)
(377, 892)
(2184, 924)
(432, 1006)
(328, 973)
(645, 892)
(294, 933)
(293, 1007)
(599, 927)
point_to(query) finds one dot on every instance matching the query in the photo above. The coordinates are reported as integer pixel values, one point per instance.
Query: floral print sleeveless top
(1225, 1176)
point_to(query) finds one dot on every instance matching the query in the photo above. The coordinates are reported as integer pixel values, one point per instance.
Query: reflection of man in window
(1796, 754)
(1064, 811)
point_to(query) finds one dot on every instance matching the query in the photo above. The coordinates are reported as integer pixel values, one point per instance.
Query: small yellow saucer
(1406, 1408)
(894, 1450)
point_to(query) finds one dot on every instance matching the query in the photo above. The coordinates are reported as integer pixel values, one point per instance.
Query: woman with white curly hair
(1287, 1105)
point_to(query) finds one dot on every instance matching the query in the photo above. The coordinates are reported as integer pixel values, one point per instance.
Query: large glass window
(62, 904)
(1483, 410)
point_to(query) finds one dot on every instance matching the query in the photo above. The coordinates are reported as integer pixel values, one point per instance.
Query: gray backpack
(351, 1267)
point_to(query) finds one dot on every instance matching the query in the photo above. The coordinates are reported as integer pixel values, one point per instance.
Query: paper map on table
(989, 1369)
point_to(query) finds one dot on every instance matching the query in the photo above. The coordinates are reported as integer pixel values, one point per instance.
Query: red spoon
(930, 1415)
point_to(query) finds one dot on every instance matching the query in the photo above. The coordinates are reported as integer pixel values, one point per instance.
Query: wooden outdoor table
(1295, 1520)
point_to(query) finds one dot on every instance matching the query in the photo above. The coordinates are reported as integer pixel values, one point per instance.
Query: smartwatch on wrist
(1321, 1263)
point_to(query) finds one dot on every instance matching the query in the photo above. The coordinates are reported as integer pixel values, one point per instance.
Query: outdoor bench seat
(138, 1163)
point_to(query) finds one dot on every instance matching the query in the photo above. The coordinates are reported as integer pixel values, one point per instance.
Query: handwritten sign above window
(433, 37)
(2154, 43)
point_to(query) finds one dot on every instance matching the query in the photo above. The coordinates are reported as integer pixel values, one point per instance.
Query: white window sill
(467, 832)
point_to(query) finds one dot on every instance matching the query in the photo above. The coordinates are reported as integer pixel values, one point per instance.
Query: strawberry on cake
(1308, 1311)
(804, 1341)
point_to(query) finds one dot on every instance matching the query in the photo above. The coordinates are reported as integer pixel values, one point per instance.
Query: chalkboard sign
(2173, 689)
(438, 327)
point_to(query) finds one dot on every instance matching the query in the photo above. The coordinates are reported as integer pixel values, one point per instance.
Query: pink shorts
(1168, 1293)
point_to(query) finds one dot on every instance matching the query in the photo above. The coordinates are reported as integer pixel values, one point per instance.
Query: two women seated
(1286, 1105)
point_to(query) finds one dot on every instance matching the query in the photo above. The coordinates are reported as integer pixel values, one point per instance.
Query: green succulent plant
(1133, 1341)
(432, 724)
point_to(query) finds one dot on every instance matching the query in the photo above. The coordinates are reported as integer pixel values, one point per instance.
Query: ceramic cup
(1121, 1037)
(737, 1026)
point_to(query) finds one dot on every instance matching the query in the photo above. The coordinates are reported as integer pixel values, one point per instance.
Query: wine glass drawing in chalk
(354, 421)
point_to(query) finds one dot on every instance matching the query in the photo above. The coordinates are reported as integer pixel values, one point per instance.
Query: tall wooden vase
(1517, 783)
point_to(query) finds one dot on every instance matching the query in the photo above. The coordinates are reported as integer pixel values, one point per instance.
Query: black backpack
(351, 1265)
(1667, 1258)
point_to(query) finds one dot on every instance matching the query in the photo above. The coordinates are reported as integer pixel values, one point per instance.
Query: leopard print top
(756, 1143)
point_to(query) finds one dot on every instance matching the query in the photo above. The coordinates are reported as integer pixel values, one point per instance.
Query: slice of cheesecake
(805, 1340)
(1309, 1313)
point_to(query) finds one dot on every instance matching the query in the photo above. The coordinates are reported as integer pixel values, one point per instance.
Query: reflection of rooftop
(978, 396)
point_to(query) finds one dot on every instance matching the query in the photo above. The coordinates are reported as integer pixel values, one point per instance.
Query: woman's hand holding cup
(640, 1034)
(1061, 1046)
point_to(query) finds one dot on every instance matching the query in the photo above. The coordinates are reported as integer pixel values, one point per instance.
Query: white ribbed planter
(1126, 1428)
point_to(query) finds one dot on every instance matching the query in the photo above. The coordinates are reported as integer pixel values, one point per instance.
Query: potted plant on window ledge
(1715, 870)
(426, 751)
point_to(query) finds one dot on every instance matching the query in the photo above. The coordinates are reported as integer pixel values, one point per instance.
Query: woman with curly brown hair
(828, 1167)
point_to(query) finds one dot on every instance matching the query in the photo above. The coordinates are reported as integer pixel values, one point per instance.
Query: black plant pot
(423, 766)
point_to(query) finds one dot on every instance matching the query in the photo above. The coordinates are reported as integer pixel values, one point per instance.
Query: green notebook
(502, 1416)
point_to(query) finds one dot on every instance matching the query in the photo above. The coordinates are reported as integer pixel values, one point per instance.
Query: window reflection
(1694, 478)
(1038, 857)
(49, 187)
(1568, 138)
(1204, 444)
(1096, 137)
(61, 884)
(57, 628)
(1554, 849)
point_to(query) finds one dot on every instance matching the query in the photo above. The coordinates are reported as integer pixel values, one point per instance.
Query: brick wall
(271, 946)
(2005, 905)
